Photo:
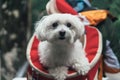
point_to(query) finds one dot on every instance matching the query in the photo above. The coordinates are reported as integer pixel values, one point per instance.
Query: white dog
(60, 45)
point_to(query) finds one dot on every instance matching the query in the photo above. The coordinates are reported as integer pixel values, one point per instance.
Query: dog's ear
(80, 27)
(39, 30)
(83, 19)
(82, 30)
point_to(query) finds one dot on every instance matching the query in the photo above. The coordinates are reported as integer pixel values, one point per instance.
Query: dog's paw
(81, 69)
(59, 73)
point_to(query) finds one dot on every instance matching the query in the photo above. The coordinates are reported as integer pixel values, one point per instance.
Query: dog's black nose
(62, 33)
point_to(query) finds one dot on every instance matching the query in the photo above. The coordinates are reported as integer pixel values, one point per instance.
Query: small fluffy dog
(60, 45)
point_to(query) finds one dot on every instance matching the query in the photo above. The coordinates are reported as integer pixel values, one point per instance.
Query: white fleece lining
(51, 7)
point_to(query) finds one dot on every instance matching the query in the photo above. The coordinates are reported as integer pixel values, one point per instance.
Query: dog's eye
(68, 25)
(55, 24)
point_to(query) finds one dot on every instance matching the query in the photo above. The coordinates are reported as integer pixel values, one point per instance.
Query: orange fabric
(110, 69)
(95, 16)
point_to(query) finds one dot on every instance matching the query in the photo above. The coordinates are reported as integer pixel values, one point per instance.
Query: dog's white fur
(58, 52)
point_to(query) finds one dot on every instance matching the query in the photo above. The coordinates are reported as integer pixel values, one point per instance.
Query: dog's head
(59, 27)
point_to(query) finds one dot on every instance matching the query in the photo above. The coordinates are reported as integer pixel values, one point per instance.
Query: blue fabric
(80, 6)
(73, 3)
(110, 58)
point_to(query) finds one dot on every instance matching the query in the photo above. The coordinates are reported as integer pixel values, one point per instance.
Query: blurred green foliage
(38, 10)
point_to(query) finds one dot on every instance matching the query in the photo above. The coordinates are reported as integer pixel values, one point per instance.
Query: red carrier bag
(92, 46)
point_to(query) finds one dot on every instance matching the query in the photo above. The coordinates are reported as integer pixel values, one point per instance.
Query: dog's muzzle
(62, 35)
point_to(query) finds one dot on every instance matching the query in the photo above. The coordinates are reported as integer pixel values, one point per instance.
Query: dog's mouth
(61, 38)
